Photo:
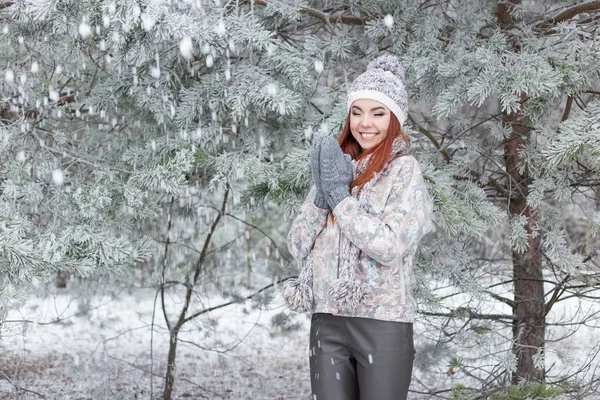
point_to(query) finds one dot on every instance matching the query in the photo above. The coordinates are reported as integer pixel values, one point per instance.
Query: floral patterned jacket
(399, 214)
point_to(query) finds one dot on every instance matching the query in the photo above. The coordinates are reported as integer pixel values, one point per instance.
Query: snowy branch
(328, 17)
(570, 13)
(470, 314)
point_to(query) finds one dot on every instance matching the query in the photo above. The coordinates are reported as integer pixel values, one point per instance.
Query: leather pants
(360, 358)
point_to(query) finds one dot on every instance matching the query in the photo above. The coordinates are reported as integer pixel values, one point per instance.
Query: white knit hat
(383, 81)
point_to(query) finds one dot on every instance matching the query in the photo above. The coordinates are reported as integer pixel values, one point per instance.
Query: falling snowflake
(53, 94)
(155, 72)
(319, 66)
(58, 177)
(220, 28)
(186, 47)
(271, 89)
(209, 61)
(148, 22)
(85, 30)
(388, 20)
(9, 75)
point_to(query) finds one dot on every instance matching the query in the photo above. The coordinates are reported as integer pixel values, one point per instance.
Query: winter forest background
(154, 152)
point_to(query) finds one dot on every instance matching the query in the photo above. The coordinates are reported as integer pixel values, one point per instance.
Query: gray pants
(360, 358)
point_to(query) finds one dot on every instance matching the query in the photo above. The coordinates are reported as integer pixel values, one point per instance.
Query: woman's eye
(356, 114)
(379, 115)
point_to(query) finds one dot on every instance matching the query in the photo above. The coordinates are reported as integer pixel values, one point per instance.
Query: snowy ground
(105, 354)
(100, 349)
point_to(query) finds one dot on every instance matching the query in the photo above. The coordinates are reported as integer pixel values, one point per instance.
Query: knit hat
(383, 81)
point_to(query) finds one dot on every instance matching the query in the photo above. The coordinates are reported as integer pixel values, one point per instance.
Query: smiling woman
(358, 263)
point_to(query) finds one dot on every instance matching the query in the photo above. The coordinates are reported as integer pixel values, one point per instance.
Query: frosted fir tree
(132, 132)
(176, 132)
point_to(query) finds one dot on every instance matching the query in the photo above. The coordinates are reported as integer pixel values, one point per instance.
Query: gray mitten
(320, 200)
(337, 172)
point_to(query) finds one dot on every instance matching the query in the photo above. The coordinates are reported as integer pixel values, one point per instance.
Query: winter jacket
(398, 215)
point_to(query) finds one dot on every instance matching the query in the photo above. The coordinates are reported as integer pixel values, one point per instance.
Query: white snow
(388, 20)
(319, 66)
(98, 346)
(101, 349)
(271, 89)
(58, 177)
(155, 72)
(35, 67)
(85, 30)
(220, 28)
(186, 47)
(9, 75)
(53, 94)
(148, 21)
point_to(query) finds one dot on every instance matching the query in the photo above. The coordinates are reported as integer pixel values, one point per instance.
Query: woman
(357, 233)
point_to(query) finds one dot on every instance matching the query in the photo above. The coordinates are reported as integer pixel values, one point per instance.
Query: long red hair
(381, 152)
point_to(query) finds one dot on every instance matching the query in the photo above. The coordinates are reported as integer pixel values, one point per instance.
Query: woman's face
(369, 121)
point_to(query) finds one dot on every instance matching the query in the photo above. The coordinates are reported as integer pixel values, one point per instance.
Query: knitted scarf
(347, 292)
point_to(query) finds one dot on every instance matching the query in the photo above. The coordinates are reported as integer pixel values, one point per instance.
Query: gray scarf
(347, 292)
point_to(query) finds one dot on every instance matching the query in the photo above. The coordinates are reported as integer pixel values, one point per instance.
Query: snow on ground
(105, 352)
(100, 349)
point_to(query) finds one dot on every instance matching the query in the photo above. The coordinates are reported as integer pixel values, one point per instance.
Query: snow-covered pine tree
(118, 117)
(504, 97)
(130, 129)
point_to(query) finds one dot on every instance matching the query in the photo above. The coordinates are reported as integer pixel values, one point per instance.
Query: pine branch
(471, 315)
(207, 310)
(19, 388)
(570, 13)
(164, 266)
(567, 109)
(431, 138)
(327, 17)
(558, 291)
(6, 5)
(261, 231)
(504, 300)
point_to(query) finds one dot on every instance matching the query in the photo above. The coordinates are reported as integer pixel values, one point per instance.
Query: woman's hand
(336, 172)
(315, 170)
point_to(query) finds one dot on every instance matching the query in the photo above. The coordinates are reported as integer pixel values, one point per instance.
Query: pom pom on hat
(388, 62)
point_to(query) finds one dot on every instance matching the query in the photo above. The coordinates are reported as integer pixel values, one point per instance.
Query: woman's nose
(366, 121)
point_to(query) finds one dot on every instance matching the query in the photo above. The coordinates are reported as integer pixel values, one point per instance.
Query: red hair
(381, 152)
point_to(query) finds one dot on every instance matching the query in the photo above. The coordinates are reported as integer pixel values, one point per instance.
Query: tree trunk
(529, 326)
(170, 376)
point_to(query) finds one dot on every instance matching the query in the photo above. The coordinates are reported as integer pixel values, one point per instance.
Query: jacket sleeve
(306, 226)
(407, 217)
